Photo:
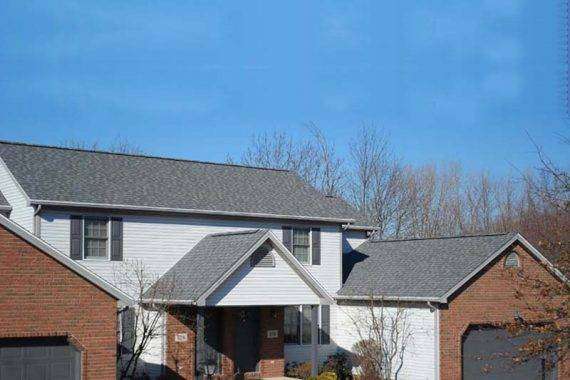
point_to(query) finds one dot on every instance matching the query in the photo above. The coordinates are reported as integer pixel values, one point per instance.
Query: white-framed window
(96, 238)
(297, 325)
(512, 260)
(302, 245)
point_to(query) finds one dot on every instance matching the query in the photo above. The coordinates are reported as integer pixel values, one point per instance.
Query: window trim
(516, 255)
(310, 257)
(108, 225)
(300, 327)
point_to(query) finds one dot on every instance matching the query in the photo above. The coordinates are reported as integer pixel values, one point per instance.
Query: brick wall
(272, 357)
(488, 299)
(180, 355)
(40, 297)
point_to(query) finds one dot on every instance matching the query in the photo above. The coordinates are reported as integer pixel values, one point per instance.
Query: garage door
(41, 359)
(487, 354)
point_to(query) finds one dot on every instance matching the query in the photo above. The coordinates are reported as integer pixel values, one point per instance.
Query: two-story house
(255, 257)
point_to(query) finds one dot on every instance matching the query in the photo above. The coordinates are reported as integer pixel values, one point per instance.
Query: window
(297, 325)
(306, 324)
(95, 238)
(325, 325)
(291, 325)
(302, 244)
(512, 260)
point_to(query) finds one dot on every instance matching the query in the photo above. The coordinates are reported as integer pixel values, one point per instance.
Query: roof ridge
(140, 155)
(230, 233)
(442, 237)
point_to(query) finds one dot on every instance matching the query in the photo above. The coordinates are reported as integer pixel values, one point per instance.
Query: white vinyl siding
(159, 242)
(352, 239)
(419, 358)
(22, 213)
(279, 285)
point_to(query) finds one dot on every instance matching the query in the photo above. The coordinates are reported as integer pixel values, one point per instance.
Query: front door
(247, 340)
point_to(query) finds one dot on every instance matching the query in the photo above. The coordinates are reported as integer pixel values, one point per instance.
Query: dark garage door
(487, 353)
(38, 359)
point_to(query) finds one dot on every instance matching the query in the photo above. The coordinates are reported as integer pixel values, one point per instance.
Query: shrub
(337, 364)
(298, 370)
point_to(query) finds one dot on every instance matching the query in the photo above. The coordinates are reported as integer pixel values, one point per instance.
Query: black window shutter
(288, 238)
(316, 246)
(76, 237)
(116, 239)
(325, 332)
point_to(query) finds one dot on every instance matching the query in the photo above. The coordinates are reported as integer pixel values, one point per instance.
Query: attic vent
(512, 260)
(262, 258)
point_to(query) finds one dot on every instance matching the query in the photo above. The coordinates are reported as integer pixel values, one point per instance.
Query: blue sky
(458, 81)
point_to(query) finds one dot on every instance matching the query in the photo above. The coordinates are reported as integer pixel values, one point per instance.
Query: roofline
(13, 178)
(390, 298)
(437, 238)
(355, 227)
(516, 238)
(303, 273)
(65, 260)
(45, 202)
(140, 155)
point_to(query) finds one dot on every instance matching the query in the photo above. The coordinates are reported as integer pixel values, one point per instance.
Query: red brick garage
(54, 313)
(487, 301)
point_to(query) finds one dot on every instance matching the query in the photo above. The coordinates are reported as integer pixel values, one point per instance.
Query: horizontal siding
(159, 242)
(352, 239)
(419, 357)
(279, 285)
(22, 213)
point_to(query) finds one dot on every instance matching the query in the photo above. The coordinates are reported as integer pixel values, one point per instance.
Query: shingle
(3, 202)
(204, 264)
(70, 175)
(423, 268)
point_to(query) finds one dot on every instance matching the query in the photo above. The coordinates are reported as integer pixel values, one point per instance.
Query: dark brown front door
(247, 340)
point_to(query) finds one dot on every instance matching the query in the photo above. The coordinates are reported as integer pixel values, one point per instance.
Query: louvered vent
(262, 258)
(512, 260)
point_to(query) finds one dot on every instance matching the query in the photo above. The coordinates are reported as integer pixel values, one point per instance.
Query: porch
(226, 315)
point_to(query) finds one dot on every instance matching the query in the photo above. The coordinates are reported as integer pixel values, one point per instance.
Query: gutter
(188, 211)
(406, 299)
(355, 227)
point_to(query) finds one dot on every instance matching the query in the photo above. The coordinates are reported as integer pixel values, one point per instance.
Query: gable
(17, 242)
(263, 285)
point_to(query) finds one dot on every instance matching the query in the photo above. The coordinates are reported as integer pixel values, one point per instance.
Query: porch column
(314, 340)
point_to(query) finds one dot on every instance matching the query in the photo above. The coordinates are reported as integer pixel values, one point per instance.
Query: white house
(257, 258)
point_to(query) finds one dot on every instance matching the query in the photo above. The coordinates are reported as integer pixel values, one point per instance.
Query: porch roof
(198, 273)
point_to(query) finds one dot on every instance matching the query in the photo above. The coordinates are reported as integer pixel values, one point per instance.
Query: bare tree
(545, 218)
(313, 158)
(385, 333)
(144, 323)
(118, 145)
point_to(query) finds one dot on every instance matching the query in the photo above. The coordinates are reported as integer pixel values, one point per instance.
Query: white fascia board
(65, 260)
(188, 211)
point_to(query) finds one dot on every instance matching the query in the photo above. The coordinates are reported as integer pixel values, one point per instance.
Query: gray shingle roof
(3, 202)
(416, 268)
(102, 178)
(200, 268)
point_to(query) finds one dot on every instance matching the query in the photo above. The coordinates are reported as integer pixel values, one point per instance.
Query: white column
(314, 340)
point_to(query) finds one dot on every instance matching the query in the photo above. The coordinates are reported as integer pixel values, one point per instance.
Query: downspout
(435, 309)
